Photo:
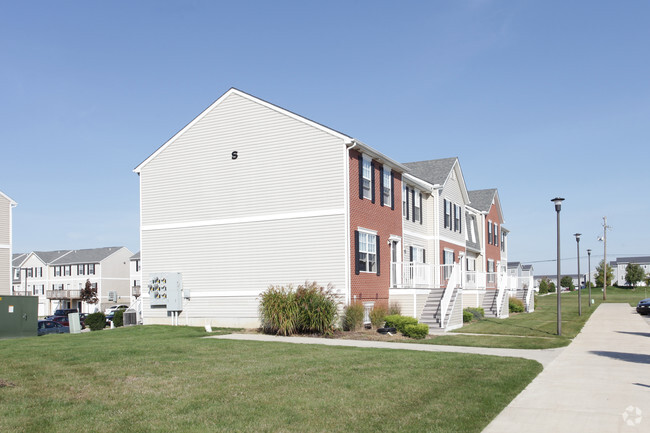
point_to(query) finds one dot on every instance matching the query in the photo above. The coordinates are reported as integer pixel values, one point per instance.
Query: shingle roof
(93, 255)
(636, 260)
(526, 267)
(434, 171)
(17, 259)
(481, 199)
(136, 256)
(48, 257)
(513, 265)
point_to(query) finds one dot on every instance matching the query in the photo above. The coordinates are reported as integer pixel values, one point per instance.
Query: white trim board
(244, 220)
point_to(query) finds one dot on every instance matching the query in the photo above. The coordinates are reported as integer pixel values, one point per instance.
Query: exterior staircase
(522, 294)
(431, 311)
(490, 303)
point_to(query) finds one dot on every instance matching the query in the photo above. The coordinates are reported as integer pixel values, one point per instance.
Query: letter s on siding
(234, 155)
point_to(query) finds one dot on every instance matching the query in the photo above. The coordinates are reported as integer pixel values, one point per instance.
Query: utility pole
(605, 227)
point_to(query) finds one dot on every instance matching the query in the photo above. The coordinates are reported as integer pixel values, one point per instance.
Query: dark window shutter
(372, 181)
(410, 254)
(392, 191)
(421, 213)
(381, 186)
(424, 256)
(455, 224)
(413, 205)
(378, 255)
(360, 177)
(444, 211)
(460, 220)
(407, 204)
(356, 252)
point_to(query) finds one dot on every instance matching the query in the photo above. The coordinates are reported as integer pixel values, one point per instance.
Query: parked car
(62, 312)
(61, 319)
(112, 309)
(643, 307)
(109, 316)
(51, 327)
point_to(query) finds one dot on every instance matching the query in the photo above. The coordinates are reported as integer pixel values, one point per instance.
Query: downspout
(348, 252)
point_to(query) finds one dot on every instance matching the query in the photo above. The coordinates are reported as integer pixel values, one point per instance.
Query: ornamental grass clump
(308, 309)
(515, 305)
(378, 316)
(353, 317)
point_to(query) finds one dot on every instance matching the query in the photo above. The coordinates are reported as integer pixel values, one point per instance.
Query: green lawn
(543, 322)
(157, 378)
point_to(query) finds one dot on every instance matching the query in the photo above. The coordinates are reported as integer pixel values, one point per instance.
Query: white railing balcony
(491, 280)
(410, 274)
(63, 294)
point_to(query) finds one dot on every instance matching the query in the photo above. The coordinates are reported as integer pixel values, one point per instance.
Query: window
(405, 205)
(489, 225)
(80, 269)
(496, 234)
(137, 265)
(91, 269)
(417, 254)
(457, 219)
(367, 252)
(503, 240)
(491, 277)
(67, 270)
(57, 271)
(417, 208)
(447, 205)
(471, 264)
(447, 261)
(16, 273)
(367, 178)
(386, 187)
(29, 272)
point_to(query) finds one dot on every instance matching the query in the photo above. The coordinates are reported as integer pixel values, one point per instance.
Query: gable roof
(438, 171)
(135, 256)
(18, 259)
(526, 267)
(48, 257)
(11, 202)
(233, 91)
(641, 260)
(512, 265)
(93, 255)
(482, 199)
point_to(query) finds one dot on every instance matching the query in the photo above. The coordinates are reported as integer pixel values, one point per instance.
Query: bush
(400, 322)
(543, 287)
(551, 287)
(353, 316)
(467, 316)
(515, 305)
(308, 309)
(378, 316)
(394, 309)
(118, 318)
(418, 331)
(478, 312)
(96, 321)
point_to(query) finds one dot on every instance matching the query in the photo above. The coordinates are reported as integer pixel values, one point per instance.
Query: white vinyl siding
(283, 166)
(5, 247)
(452, 193)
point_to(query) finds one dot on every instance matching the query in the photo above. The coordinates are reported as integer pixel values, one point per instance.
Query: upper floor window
(80, 270)
(367, 178)
(68, 270)
(417, 207)
(30, 272)
(137, 265)
(496, 234)
(57, 271)
(91, 269)
(386, 187)
(503, 240)
(489, 227)
(447, 205)
(417, 254)
(457, 219)
(405, 205)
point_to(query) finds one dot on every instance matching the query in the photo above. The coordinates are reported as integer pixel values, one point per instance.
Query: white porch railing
(453, 282)
(474, 280)
(491, 280)
(412, 274)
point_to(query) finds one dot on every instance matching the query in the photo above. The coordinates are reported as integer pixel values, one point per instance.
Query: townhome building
(6, 206)
(135, 273)
(58, 277)
(620, 264)
(249, 195)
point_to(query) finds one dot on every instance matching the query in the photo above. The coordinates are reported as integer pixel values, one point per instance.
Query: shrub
(378, 315)
(96, 321)
(399, 322)
(551, 287)
(418, 331)
(543, 287)
(467, 316)
(308, 309)
(515, 305)
(118, 318)
(394, 309)
(353, 316)
(478, 313)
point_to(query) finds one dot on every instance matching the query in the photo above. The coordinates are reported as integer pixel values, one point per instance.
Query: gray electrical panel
(165, 290)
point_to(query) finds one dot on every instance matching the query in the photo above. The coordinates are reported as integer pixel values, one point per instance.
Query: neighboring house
(619, 265)
(135, 272)
(249, 195)
(553, 278)
(6, 206)
(57, 277)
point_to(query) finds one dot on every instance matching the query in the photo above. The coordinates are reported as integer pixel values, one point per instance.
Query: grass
(543, 322)
(157, 378)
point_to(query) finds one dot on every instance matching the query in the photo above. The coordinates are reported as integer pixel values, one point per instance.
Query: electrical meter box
(165, 290)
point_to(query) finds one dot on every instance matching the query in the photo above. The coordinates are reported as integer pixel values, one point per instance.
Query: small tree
(551, 287)
(543, 286)
(567, 281)
(89, 293)
(599, 274)
(634, 274)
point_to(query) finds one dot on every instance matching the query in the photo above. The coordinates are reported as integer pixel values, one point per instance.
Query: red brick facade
(492, 251)
(373, 286)
(449, 246)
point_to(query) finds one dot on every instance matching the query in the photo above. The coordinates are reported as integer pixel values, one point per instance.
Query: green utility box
(18, 316)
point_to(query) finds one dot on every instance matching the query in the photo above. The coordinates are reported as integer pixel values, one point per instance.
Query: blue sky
(536, 98)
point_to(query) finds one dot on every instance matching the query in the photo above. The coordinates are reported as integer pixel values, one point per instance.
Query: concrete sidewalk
(599, 383)
(543, 356)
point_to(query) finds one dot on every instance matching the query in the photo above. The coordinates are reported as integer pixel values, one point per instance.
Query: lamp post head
(589, 252)
(577, 235)
(558, 203)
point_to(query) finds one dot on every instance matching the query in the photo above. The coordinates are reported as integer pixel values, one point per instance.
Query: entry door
(395, 264)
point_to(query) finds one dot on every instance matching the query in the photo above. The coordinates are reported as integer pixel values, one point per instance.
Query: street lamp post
(589, 275)
(577, 235)
(558, 206)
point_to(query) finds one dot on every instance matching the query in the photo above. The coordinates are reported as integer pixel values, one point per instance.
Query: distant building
(6, 206)
(619, 265)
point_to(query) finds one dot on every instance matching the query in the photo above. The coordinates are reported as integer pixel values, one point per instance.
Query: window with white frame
(417, 254)
(457, 219)
(447, 205)
(80, 269)
(489, 226)
(91, 269)
(387, 185)
(417, 203)
(491, 277)
(57, 271)
(367, 252)
(496, 234)
(367, 178)
(448, 261)
(67, 270)
(503, 240)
